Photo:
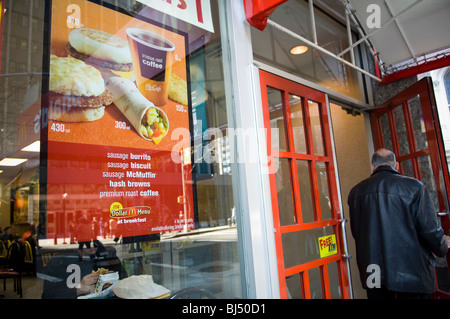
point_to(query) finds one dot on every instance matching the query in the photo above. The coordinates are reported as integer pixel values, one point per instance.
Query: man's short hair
(383, 157)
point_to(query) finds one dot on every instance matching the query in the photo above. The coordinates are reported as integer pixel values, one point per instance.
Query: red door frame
(286, 86)
(423, 88)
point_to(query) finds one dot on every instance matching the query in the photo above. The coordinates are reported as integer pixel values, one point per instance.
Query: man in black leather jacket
(394, 223)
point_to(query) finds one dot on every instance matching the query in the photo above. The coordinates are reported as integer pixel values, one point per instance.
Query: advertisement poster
(117, 93)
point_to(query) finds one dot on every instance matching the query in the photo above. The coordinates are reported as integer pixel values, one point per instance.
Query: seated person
(63, 271)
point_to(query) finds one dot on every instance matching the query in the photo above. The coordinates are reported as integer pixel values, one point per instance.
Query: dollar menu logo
(118, 211)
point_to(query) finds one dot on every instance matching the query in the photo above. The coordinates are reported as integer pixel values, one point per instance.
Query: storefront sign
(327, 246)
(110, 119)
(196, 12)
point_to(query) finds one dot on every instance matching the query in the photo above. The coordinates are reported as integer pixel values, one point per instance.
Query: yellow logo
(116, 210)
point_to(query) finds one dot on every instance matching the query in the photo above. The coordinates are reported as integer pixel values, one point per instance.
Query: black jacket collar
(385, 168)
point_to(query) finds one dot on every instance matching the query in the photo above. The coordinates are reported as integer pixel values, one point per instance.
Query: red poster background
(83, 180)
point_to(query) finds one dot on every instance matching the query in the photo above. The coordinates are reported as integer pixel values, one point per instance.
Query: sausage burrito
(150, 122)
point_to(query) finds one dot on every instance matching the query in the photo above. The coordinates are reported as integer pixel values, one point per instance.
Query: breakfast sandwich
(178, 89)
(101, 271)
(77, 91)
(100, 48)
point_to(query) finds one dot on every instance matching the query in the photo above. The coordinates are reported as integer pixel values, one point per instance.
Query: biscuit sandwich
(77, 91)
(100, 48)
(178, 89)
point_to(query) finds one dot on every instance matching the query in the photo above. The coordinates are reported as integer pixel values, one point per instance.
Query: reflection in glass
(304, 182)
(316, 127)
(272, 46)
(333, 275)
(385, 131)
(277, 121)
(325, 200)
(315, 283)
(284, 191)
(302, 246)
(427, 177)
(190, 259)
(401, 130)
(407, 168)
(294, 287)
(298, 128)
(418, 123)
(426, 170)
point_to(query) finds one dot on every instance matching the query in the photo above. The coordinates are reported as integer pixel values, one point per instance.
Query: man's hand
(447, 240)
(87, 284)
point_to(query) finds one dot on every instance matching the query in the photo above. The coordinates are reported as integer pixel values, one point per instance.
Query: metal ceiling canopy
(412, 35)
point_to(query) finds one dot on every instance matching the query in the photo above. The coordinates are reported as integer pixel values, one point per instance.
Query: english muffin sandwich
(100, 48)
(77, 91)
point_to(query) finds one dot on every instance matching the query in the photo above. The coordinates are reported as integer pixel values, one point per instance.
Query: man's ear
(396, 166)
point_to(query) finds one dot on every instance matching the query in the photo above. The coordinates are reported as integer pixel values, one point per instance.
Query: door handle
(344, 233)
(347, 256)
(442, 214)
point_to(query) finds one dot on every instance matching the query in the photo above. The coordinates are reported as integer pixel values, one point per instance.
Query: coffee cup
(152, 61)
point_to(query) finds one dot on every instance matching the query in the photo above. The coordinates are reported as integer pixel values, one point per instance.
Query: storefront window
(273, 47)
(447, 86)
(114, 150)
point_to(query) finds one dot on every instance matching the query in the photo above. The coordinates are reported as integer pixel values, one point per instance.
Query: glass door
(309, 227)
(408, 125)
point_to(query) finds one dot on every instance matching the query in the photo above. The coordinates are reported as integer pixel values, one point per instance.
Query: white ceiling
(409, 29)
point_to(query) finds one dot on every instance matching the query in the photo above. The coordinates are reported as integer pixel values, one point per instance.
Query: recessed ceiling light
(12, 161)
(33, 147)
(299, 49)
